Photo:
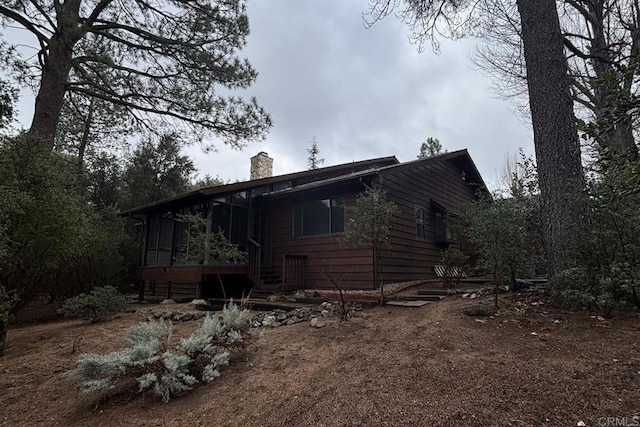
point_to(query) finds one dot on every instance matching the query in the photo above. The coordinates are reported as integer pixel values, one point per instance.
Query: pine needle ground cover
(431, 365)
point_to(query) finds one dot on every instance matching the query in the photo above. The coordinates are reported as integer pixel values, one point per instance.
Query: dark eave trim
(247, 185)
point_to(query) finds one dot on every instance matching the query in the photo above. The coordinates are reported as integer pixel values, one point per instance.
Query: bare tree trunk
(55, 72)
(554, 130)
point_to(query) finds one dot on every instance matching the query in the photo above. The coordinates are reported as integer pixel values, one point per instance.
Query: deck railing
(293, 269)
(253, 257)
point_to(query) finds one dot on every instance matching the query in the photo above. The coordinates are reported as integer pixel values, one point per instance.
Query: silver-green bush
(149, 360)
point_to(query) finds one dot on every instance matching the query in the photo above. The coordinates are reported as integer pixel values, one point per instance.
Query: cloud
(363, 93)
(360, 92)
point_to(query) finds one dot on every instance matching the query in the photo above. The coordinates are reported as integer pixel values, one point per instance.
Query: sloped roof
(309, 175)
(461, 158)
(345, 172)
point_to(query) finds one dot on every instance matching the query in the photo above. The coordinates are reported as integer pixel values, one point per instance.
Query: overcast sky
(362, 93)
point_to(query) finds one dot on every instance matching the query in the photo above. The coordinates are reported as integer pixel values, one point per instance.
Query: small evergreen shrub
(97, 306)
(571, 289)
(7, 301)
(199, 358)
(615, 291)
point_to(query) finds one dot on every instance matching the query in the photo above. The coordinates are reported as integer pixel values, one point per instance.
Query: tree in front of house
(156, 170)
(601, 41)
(7, 301)
(207, 181)
(557, 148)
(313, 161)
(205, 246)
(51, 240)
(369, 226)
(89, 131)
(8, 97)
(431, 147)
(496, 227)
(163, 61)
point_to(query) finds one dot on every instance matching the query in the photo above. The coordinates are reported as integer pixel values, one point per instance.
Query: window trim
(298, 209)
(441, 230)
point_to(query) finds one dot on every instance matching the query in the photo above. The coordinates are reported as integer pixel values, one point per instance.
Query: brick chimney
(261, 166)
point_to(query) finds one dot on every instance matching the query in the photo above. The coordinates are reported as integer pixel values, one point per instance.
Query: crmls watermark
(619, 421)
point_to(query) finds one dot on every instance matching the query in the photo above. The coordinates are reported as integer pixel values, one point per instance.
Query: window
(160, 230)
(152, 240)
(221, 218)
(443, 234)
(420, 226)
(240, 198)
(285, 185)
(314, 217)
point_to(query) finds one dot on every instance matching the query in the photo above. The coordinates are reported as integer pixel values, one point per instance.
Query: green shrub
(571, 289)
(199, 359)
(7, 301)
(614, 292)
(607, 290)
(97, 306)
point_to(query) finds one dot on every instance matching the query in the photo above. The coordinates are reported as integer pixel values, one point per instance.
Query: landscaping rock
(280, 315)
(268, 320)
(293, 321)
(168, 301)
(317, 323)
(304, 314)
(198, 302)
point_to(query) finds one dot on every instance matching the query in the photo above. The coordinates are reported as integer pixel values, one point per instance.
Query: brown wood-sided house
(290, 227)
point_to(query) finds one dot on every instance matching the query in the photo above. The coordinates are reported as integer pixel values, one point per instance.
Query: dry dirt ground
(399, 366)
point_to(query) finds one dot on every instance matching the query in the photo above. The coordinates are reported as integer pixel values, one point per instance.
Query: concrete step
(443, 292)
(416, 297)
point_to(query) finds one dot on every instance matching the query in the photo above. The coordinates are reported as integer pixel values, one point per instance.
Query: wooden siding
(409, 185)
(409, 257)
(325, 254)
